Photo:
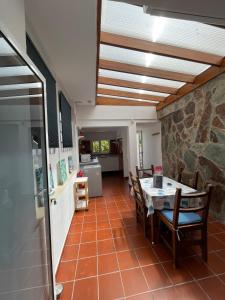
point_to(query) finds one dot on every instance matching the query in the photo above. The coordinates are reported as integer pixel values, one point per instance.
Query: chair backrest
(203, 208)
(194, 180)
(138, 193)
(141, 173)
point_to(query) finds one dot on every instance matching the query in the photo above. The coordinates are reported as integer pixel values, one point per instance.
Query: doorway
(25, 252)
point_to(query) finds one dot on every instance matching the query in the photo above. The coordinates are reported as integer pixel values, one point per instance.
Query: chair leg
(204, 245)
(152, 220)
(175, 248)
(137, 213)
(158, 230)
(145, 225)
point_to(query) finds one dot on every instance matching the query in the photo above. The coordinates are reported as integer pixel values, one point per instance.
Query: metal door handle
(53, 200)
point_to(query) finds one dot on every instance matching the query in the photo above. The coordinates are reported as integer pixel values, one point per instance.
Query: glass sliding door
(25, 248)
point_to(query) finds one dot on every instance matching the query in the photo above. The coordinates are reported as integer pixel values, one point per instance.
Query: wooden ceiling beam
(139, 70)
(160, 49)
(121, 102)
(201, 79)
(130, 95)
(136, 85)
(18, 79)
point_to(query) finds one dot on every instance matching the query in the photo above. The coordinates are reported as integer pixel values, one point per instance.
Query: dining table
(163, 198)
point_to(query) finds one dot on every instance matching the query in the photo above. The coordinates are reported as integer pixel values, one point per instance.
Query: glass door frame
(23, 55)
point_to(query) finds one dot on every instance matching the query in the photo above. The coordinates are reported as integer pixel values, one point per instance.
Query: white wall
(152, 152)
(12, 21)
(124, 117)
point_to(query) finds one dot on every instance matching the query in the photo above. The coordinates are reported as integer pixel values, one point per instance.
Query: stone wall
(193, 136)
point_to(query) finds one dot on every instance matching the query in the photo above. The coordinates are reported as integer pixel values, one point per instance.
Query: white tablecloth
(163, 198)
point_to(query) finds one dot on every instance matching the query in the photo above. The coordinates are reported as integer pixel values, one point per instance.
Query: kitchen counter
(93, 161)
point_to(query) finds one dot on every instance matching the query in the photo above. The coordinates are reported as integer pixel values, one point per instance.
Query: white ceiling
(67, 33)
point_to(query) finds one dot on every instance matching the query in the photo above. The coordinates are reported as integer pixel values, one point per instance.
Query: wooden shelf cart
(81, 193)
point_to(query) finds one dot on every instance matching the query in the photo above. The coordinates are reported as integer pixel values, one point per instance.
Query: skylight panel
(130, 20)
(15, 71)
(5, 48)
(20, 86)
(140, 79)
(138, 91)
(151, 60)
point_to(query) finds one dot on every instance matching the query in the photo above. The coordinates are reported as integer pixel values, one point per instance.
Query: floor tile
(114, 215)
(67, 291)
(221, 254)
(220, 237)
(156, 276)
(77, 219)
(85, 289)
(104, 234)
(107, 263)
(215, 263)
(88, 249)
(133, 282)
(89, 226)
(102, 218)
(146, 256)
(86, 267)
(213, 287)
(103, 225)
(169, 293)
(118, 232)
(106, 246)
(222, 277)
(73, 239)
(70, 252)
(134, 230)
(214, 228)
(143, 296)
(190, 291)
(110, 286)
(162, 252)
(178, 275)
(122, 244)
(214, 244)
(197, 267)
(90, 218)
(117, 223)
(88, 236)
(138, 241)
(127, 259)
(66, 271)
(112, 218)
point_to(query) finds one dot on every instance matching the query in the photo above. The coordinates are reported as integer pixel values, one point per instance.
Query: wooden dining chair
(141, 209)
(182, 220)
(193, 182)
(144, 173)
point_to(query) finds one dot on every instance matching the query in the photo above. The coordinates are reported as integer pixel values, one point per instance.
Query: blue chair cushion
(184, 217)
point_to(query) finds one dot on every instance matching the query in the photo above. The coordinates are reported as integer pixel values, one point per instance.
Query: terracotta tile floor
(107, 257)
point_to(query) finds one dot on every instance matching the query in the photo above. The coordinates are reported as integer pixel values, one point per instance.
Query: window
(102, 146)
(95, 147)
(105, 146)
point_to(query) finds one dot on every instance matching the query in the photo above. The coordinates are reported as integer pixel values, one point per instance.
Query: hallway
(107, 257)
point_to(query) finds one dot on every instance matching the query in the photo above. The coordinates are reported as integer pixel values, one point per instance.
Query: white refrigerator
(94, 174)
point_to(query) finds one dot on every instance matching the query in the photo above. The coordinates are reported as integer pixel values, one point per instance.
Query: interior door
(25, 247)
